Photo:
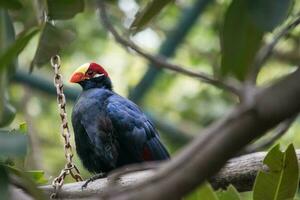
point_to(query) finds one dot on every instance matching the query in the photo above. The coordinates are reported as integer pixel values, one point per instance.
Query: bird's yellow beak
(79, 74)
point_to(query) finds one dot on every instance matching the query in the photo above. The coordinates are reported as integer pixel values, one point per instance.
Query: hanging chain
(70, 167)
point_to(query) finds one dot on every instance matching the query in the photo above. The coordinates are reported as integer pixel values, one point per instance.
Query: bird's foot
(93, 178)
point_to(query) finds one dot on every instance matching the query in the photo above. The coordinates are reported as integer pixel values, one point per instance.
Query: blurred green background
(174, 101)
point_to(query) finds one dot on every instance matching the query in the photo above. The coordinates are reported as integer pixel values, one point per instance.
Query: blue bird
(110, 130)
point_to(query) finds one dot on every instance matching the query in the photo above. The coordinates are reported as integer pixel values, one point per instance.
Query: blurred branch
(34, 155)
(160, 61)
(174, 134)
(280, 130)
(266, 51)
(174, 38)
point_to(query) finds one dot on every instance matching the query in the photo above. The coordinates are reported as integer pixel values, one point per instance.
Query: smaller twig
(160, 61)
(281, 129)
(266, 51)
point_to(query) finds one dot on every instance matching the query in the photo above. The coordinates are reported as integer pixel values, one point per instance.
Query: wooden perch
(240, 171)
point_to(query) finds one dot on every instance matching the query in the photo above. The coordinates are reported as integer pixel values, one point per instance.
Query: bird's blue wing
(100, 133)
(135, 131)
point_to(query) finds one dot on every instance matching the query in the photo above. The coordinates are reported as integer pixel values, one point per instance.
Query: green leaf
(143, 17)
(7, 32)
(52, 40)
(3, 184)
(205, 192)
(13, 144)
(267, 14)
(7, 38)
(64, 9)
(280, 182)
(38, 176)
(241, 39)
(230, 194)
(7, 114)
(10, 4)
(10, 54)
(23, 128)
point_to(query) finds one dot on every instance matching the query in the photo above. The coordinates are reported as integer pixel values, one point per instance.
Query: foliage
(13, 50)
(143, 17)
(244, 26)
(13, 4)
(7, 37)
(64, 9)
(13, 146)
(45, 50)
(230, 194)
(281, 180)
(205, 192)
(246, 37)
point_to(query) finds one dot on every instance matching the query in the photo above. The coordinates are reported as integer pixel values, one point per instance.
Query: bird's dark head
(91, 75)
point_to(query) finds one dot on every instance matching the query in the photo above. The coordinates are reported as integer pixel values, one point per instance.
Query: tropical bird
(110, 130)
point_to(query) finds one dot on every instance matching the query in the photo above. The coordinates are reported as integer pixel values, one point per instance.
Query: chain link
(70, 167)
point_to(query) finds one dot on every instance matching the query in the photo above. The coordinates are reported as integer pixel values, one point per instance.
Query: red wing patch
(147, 154)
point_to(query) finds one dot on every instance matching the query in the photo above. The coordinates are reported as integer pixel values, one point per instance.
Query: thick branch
(240, 171)
(161, 61)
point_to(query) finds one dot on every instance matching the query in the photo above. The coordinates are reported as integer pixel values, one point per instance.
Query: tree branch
(160, 61)
(240, 171)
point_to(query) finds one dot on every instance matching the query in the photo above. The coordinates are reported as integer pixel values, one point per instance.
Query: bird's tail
(156, 150)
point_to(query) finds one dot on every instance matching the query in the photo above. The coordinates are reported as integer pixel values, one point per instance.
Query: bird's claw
(93, 178)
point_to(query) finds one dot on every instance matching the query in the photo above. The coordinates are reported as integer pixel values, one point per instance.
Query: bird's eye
(90, 73)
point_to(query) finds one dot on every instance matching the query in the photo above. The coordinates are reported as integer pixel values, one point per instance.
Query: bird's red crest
(98, 68)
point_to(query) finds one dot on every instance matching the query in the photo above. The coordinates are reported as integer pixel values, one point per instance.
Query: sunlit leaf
(23, 127)
(12, 144)
(230, 194)
(38, 176)
(267, 14)
(240, 40)
(205, 192)
(10, 4)
(64, 9)
(52, 40)
(7, 57)
(280, 182)
(144, 16)
(8, 112)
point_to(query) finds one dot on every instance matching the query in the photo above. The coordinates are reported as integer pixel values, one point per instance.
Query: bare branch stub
(162, 62)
